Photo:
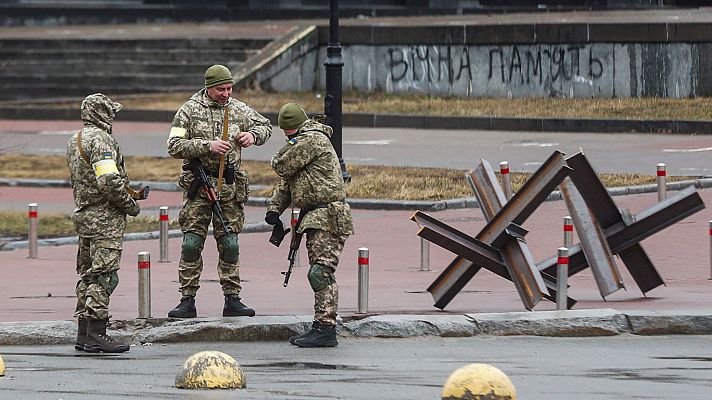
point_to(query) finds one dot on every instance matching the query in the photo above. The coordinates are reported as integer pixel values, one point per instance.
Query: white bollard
(32, 230)
(144, 284)
(662, 176)
(163, 233)
(363, 280)
(562, 277)
(506, 179)
(568, 232)
(424, 255)
(293, 223)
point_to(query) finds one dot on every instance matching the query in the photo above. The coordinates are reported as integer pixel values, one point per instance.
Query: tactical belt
(229, 173)
(315, 206)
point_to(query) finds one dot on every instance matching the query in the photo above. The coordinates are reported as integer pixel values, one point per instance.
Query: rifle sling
(221, 170)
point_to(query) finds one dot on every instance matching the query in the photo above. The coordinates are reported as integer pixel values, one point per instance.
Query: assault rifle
(294, 246)
(202, 182)
(138, 194)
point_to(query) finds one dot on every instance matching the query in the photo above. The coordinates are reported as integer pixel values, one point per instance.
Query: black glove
(272, 218)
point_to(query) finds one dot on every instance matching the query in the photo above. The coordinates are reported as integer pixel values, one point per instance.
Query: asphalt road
(525, 151)
(541, 368)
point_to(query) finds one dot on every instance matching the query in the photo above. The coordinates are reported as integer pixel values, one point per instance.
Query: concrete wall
(555, 70)
(647, 60)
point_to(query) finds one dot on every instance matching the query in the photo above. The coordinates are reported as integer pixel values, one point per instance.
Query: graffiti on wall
(496, 69)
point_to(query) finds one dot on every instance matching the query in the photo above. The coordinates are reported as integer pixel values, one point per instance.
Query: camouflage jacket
(98, 185)
(199, 121)
(311, 176)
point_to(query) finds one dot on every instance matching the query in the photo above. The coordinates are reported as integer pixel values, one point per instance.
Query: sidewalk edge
(571, 323)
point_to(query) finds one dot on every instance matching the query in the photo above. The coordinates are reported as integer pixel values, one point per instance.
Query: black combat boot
(295, 337)
(185, 309)
(235, 308)
(321, 335)
(81, 334)
(98, 341)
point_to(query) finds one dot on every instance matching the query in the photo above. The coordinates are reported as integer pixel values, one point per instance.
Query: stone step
(90, 79)
(151, 44)
(183, 54)
(62, 66)
(77, 67)
(18, 92)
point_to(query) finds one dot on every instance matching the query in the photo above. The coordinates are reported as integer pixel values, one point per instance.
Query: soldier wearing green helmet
(213, 128)
(311, 180)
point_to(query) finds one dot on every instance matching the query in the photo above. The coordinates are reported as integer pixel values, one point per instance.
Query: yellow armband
(177, 132)
(104, 167)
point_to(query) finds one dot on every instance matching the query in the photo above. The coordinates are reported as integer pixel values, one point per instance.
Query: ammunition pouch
(242, 186)
(193, 188)
(341, 220)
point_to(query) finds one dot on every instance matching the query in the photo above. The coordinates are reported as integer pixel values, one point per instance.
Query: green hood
(99, 110)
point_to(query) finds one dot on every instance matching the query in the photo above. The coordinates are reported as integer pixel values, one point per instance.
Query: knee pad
(192, 247)
(320, 277)
(229, 249)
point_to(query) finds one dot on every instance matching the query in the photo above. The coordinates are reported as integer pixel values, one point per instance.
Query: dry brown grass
(628, 108)
(14, 223)
(373, 182)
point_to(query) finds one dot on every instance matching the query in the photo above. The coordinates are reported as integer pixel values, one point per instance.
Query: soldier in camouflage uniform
(98, 178)
(196, 133)
(312, 181)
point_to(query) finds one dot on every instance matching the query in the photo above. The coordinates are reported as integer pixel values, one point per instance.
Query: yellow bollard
(2, 367)
(478, 381)
(210, 370)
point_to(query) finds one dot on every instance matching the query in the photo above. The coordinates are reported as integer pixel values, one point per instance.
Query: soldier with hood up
(313, 182)
(99, 180)
(209, 127)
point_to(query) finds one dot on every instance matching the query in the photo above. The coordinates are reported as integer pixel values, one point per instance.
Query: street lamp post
(332, 101)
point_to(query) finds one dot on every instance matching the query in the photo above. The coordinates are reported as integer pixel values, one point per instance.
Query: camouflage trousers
(324, 248)
(96, 260)
(195, 216)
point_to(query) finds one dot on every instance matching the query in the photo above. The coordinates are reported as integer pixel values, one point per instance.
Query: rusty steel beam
(458, 242)
(593, 191)
(528, 198)
(624, 240)
(461, 269)
(489, 194)
(595, 246)
(601, 204)
(520, 263)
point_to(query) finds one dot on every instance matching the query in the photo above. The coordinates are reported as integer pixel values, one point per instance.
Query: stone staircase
(47, 68)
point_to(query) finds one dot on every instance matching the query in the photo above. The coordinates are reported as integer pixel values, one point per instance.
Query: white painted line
(356, 159)
(48, 150)
(370, 142)
(697, 150)
(534, 144)
(71, 132)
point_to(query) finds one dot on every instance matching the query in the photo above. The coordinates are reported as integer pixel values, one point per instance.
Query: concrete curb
(363, 204)
(571, 323)
(373, 120)
(383, 204)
